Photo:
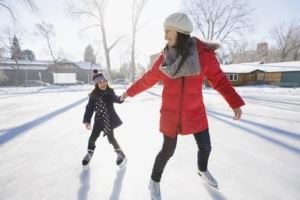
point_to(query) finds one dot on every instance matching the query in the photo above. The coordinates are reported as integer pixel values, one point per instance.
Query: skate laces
(120, 155)
(88, 156)
(208, 175)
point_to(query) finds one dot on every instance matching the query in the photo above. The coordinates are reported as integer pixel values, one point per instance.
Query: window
(233, 77)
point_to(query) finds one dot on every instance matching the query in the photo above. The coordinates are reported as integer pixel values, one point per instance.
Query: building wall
(276, 78)
(9, 77)
(290, 78)
(153, 58)
(257, 77)
(17, 78)
(3, 77)
(81, 75)
(243, 79)
(272, 77)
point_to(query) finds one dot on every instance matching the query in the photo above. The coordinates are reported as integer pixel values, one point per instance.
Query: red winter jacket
(182, 110)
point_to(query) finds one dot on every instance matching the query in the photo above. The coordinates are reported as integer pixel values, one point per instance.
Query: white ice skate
(208, 178)
(154, 189)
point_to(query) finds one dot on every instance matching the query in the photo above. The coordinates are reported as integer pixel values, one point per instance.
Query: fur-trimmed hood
(211, 45)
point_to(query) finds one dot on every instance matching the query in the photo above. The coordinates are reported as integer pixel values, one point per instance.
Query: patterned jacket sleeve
(219, 82)
(116, 99)
(89, 110)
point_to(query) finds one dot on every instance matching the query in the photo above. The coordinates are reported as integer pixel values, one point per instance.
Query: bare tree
(47, 32)
(2, 52)
(220, 20)
(287, 39)
(8, 5)
(239, 53)
(297, 51)
(137, 8)
(95, 10)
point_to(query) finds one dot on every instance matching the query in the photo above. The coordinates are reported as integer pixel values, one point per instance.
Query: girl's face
(102, 85)
(170, 37)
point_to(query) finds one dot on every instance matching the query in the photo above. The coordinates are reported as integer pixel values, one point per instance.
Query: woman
(182, 67)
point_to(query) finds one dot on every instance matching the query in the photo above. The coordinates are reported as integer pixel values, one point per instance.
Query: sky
(41, 149)
(71, 39)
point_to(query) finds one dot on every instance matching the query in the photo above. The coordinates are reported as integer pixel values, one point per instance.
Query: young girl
(106, 119)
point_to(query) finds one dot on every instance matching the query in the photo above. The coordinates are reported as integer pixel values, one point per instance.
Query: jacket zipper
(180, 108)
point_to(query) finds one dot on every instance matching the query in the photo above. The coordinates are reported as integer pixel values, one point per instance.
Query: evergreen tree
(28, 55)
(16, 54)
(89, 55)
(15, 50)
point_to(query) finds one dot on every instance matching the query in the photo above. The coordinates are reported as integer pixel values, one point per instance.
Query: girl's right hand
(87, 126)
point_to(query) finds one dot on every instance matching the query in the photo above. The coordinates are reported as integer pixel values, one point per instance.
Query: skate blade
(84, 167)
(216, 188)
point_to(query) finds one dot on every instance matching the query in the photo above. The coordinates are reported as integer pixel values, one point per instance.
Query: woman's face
(102, 85)
(170, 37)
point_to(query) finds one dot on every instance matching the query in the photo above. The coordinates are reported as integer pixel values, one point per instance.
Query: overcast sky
(72, 40)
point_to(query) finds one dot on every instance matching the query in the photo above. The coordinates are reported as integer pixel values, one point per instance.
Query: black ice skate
(121, 158)
(87, 158)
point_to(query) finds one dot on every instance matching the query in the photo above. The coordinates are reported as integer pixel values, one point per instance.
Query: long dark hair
(97, 90)
(183, 43)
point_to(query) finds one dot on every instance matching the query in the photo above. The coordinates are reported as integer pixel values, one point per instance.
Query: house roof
(27, 62)
(87, 65)
(9, 64)
(268, 67)
(22, 67)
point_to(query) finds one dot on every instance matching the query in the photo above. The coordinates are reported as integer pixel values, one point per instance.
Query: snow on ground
(42, 143)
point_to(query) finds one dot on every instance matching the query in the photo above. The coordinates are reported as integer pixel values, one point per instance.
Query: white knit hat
(179, 22)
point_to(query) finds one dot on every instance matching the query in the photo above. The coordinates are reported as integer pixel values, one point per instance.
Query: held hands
(87, 125)
(237, 113)
(123, 97)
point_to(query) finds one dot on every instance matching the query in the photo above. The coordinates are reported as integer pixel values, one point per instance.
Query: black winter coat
(109, 97)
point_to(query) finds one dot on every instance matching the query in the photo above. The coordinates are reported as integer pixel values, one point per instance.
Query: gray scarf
(190, 67)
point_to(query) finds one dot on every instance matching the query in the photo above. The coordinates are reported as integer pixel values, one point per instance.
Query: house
(14, 74)
(285, 74)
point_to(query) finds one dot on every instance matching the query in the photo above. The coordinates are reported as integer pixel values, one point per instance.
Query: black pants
(95, 134)
(168, 148)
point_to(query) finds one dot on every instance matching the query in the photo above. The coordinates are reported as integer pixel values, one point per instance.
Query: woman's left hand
(237, 113)
(124, 96)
